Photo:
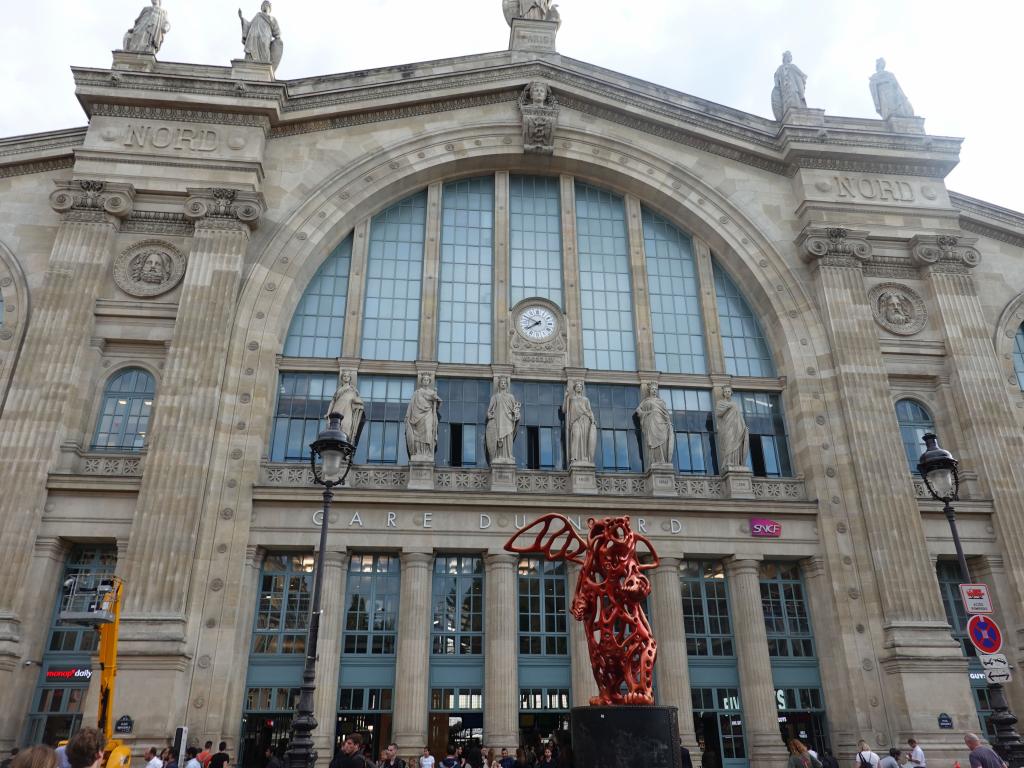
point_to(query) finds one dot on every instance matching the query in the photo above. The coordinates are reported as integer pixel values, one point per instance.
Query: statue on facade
(731, 433)
(349, 404)
(890, 101)
(503, 416)
(580, 424)
(421, 420)
(147, 35)
(262, 37)
(535, 10)
(540, 115)
(656, 426)
(789, 87)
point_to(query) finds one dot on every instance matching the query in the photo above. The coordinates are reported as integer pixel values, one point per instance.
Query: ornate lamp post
(940, 472)
(330, 456)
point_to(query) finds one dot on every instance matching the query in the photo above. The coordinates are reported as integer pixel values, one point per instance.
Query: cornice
(981, 218)
(182, 115)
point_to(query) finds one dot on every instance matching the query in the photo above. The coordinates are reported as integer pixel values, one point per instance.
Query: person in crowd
(916, 758)
(426, 759)
(865, 757)
(222, 758)
(548, 759)
(450, 760)
(170, 759)
(85, 749)
(520, 761)
(981, 757)
(828, 760)
(684, 756)
(206, 755)
(390, 758)
(151, 758)
(800, 756)
(273, 761)
(892, 760)
(192, 758)
(506, 760)
(351, 754)
(6, 762)
(40, 756)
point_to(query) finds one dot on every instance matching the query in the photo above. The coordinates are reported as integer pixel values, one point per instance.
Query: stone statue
(349, 404)
(153, 268)
(262, 37)
(421, 421)
(540, 115)
(148, 33)
(656, 426)
(503, 416)
(580, 424)
(789, 87)
(890, 101)
(535, 10)
(731, 433)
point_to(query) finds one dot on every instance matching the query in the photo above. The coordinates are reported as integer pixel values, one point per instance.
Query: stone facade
(872, 283)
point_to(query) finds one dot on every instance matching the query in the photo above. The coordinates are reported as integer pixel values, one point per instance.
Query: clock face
(537, 323)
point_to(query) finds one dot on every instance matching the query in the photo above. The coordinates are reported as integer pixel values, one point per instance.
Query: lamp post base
(608, 737)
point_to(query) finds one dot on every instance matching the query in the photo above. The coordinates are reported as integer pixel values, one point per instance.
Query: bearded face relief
(898, 308)
(895, 308)
(149, 268)
(153, 268)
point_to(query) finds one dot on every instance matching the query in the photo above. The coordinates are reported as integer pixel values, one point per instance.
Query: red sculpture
(608, 599)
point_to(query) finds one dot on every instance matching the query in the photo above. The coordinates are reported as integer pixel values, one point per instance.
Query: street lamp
(940, 472)
(330, 456)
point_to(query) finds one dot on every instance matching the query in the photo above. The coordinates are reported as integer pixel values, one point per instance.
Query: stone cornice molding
(945, 253)
(141, 112)
(834, 246)
(224, 208)
(813, 567)
(90, 200)
(987, 220)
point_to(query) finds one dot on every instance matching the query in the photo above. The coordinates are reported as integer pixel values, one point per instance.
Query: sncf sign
(763, 528)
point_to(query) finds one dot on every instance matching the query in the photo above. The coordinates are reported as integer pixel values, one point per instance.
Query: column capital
(813, 567)
(335, 559)
(224, 208)
(90, 200)
(417, 559)
(834, 246)
(945, 253)
(668, 563)
(742, 564)
(51, 547)
(254, 556)
(496, 560)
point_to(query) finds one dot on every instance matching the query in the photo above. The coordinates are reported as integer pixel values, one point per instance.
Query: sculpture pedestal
(905, 125)
(242, 69)
(583, 477)
(662, 480)
(533, 35)
(421, 475)
(738, 482)
(503, 475)
(609, 737)
(134, 62)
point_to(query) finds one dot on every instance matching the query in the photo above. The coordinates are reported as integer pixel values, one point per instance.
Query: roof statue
(262, 37)
(147, 34)
(789, 87)
(535, 10)
(890, 101)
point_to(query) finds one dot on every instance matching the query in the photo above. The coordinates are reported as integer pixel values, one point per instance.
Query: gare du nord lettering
(165, 137)
(887, 190)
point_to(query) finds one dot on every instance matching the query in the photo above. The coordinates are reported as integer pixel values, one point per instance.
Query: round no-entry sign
(985, 634)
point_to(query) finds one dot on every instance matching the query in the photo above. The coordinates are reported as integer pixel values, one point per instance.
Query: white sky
(959, 63)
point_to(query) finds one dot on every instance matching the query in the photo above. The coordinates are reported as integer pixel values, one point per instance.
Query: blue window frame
(716, 712)
(460, 429)
(385, 399)
(371, 599)
(786, 618)
(915, 422)
(675, 298)
(535, 238)
(543, 586)
(618, 435)
(458, 606)
(318, 324)
(706, 619)
(746, 353)
(1018, 355)
(124, 416)
(769, 447)
(394, 274)
(467, 267)
(302, 402)
(606, 293)
(539, 440)
(282, 608)
(694, 427)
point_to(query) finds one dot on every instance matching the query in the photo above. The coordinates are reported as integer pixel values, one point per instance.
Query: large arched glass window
(915, 422)
(746, 353)
(1018, 355)
(124, 416)
(319, 321)
(535, 238)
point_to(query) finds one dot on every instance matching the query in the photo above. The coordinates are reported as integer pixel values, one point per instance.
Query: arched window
(746, 353)
(1018, 355)
(319, 321)
(915, 421)
(124, 417)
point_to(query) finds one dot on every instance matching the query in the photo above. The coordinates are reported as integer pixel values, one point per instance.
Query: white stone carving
(656, 427)
(349, 404)
(731, 432)
(890, 101)
(580, 424)
(462, 480)
(421, 420)
(503, 414)
(147, 35)
(534, 10)
(540, 117)
(834, 245)
(790, 83)
(149, 268)
(262, 37)
(898, 309)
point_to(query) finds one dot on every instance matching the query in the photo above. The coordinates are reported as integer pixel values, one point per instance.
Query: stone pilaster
(571, 273)
(502, 270)
(709, 307)
(638, 277)
(352, 342)
(412, 667)
(48, 376)
(501, 654)
(431, 278)
(583, 684)
(672, 669)
(757, 690)
(325, 703)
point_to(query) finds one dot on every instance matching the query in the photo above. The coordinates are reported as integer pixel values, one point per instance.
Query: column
(571, 273)
(709, 306)
(672, 668)
(583, 684)
(412, 667)
(502, 270)
(352, 342)
(431, 277)
(501, 652)
(332, 605)
(641, 296)
(48, 377)
(757, 690)
(185, 425)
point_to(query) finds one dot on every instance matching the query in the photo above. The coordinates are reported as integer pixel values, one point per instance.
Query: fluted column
(184, 426)
(48, 376)
(757, 690)
(583, 684)
(672, 667)
(412, 667)
(501, 655)
(325, 704)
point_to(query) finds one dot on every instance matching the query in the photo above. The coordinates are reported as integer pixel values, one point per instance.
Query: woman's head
(796, 747)
(35, 757)
(862, 745)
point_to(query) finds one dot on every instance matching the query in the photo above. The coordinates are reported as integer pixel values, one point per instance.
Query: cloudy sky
(959, 63)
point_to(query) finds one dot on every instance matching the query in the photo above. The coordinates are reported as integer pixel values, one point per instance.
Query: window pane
(618, 433)
(463, 418)
(538, 443)
(915, 422)
(123, 423)
(319, 320)
(746, 353)
(535, 238)
(385, 399)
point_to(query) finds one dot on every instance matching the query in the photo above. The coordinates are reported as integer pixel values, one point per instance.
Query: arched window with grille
(1018, 356)
(124, 415)
(915, 422)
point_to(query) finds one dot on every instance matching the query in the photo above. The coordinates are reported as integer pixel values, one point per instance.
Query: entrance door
(259, 731)
(808, 727)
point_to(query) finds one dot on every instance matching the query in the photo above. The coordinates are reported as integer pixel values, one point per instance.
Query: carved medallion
(898, 309)
(149, 268)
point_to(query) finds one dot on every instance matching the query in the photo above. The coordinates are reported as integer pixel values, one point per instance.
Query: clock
(536, 322)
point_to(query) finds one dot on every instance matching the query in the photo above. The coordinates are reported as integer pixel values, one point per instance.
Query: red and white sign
(985, 634)
(976, 598)
(763, 528)
(68, 674)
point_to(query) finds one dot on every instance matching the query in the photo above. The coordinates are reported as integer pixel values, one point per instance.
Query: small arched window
(124, 416)
(915, 421)
(1018, 356)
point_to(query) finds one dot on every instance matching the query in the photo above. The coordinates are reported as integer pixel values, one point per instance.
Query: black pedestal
(624, 737)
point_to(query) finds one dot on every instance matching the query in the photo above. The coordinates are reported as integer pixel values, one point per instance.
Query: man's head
(426, 751)
(971, 740)
(547, 753)
(150, 753)
(208, 746)
(191, 752)
(84, 748)
(912, 743)
(223, 745)
(391, 751)
(268, 752)
(352, 744)
(504, 751)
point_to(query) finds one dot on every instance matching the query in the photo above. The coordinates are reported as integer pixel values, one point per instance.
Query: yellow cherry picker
(95, 601)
